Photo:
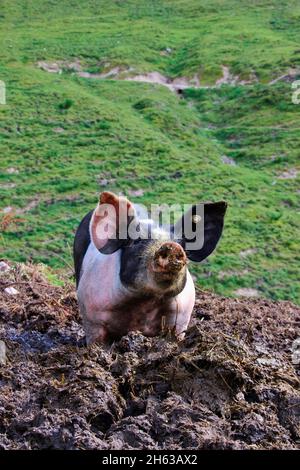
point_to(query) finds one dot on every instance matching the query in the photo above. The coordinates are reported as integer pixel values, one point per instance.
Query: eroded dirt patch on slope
(130, 74)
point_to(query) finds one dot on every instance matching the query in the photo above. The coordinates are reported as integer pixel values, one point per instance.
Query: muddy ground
(231, 384)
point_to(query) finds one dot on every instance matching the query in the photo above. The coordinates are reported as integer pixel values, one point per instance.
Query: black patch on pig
(131, 257)
(132, 263)
(83, 239)
(81, 243)
(214, 213)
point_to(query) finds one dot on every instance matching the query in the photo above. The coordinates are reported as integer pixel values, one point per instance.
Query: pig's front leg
(181, 309)
(177, 322)
(95, 332)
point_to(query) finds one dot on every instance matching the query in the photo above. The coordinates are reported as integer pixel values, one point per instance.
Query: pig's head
(155, 264)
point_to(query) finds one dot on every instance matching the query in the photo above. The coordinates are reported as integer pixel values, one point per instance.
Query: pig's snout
(169, 259)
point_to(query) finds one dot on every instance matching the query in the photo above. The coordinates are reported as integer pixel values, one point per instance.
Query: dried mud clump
(231, 384)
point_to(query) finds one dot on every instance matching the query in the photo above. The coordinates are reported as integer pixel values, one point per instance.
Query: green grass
(258, 128)
(140, 136)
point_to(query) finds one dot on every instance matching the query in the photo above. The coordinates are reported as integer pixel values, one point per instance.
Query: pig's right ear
(109, 222)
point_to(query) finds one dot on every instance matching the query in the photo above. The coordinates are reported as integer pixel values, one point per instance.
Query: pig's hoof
(82, 342)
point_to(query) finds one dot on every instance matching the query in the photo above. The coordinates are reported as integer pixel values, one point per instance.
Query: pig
(141, 284)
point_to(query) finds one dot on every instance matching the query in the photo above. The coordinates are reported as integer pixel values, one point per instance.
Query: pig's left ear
(109, 222)
(213, 219)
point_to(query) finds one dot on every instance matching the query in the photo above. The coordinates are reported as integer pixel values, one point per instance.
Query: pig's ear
(109, 223)
(212, 220)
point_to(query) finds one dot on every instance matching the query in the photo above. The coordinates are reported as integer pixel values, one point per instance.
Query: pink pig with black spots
(143, 284)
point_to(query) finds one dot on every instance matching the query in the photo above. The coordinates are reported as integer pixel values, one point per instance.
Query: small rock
(49, 67)
(73, 66)
(11, 291)
(176, 175)
(136, 192)
(228, 160)
(240, 396)
(12, 170)
(2, 353)
(4, 266)
(247, 292)
(7, 209)
(296, 352)
(103, 182)
(289, 174)
(226, 274)
(261, 349)
(58, 130)
(267, 361)
(7, 185)
(249, 251)
(258, 417)
(166, 51)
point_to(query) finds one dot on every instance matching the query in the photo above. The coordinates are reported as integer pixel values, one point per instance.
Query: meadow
(64, 138)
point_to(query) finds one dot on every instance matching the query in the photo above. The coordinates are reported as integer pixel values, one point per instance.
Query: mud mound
(231, 384)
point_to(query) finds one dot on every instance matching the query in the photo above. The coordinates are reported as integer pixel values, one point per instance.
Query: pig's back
(81, 243)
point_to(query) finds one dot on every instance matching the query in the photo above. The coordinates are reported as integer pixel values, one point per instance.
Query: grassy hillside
(65, 138)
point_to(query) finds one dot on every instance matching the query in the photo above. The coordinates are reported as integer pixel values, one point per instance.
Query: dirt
(246, 292)
(36, 202)
(175, 85)
(129, 73)
(292, 173)
(157, 78)
(288, 77)
(136, 192)
(60, 66)
(233, 383)
(248, 252)
(228, 160)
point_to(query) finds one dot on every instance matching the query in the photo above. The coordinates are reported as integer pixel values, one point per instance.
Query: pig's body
(132, 285)
(110, 310)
